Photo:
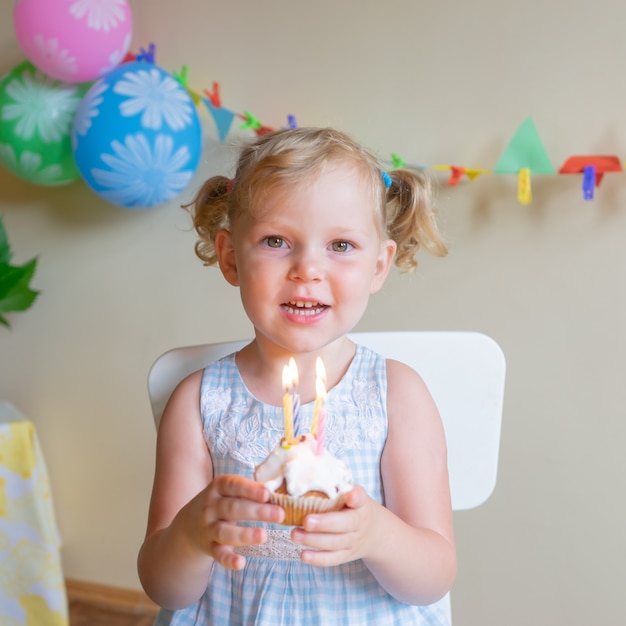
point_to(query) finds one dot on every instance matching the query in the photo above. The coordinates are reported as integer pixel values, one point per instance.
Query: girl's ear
(383, 264)
(226, 256)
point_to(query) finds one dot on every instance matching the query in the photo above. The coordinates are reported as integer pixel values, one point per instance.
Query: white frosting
(303, 470)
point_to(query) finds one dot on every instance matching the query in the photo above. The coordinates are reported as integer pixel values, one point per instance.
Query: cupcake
(302, 481)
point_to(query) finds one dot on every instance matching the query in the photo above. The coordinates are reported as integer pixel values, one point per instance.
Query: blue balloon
(136, 136)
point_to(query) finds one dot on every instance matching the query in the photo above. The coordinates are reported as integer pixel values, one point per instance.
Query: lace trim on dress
(244, 430)
(278, 546)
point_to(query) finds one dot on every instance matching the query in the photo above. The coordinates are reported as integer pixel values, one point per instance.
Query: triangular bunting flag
(525, 151)
(593, 168)
(457, 173)
(601, 163)
(222, 117)
(473, 173)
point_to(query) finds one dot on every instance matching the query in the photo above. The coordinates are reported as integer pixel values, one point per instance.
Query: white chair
(464, 371)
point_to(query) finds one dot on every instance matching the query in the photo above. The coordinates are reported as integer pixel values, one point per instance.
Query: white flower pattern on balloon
(141, 175)
(41, 105)
(158, 99)
(29, 165)
(89, 108)
(102, 15)
(49, 49)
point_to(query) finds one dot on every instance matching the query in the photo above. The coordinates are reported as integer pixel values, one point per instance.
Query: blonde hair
(284, 158)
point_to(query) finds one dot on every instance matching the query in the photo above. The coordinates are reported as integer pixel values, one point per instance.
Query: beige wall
(437, 83)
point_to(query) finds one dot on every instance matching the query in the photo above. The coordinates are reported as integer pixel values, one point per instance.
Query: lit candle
(320, 391)
(288, 405)
(295, 397)
(319, 397)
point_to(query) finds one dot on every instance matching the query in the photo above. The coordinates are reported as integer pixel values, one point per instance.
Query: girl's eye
(341, 246)
(274, 242)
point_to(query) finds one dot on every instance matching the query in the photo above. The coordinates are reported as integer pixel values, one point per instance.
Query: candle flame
(320, 370)
(286, 378)
(293, 368)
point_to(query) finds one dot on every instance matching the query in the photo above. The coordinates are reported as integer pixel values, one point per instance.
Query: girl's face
(308, 262)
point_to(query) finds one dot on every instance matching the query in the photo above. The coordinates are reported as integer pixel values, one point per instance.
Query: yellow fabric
(39, 613)
(17, 450)
(32, 589)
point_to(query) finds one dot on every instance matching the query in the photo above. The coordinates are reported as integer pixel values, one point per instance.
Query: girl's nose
(307, 266)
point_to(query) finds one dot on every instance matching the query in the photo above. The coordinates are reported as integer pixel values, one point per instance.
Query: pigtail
(209, 211)
(411, 217)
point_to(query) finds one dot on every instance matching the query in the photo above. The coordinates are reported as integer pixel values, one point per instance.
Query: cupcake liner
(296, 509)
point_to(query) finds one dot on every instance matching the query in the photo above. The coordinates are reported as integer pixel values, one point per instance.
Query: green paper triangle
(525, 150)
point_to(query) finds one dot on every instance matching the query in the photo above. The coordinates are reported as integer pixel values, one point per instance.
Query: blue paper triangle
(222, 117)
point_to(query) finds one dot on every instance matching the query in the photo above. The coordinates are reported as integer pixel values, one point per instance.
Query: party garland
(524, 155)
(134, 135)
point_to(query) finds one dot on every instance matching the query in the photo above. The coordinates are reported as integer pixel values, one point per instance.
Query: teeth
(304, 305)
(298, 307)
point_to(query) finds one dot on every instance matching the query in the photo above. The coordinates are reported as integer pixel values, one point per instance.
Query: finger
(324, 541)
(229, 534)
(356, 497)
(238, 509)
(324, 558)
(229, 485)
(225, 556)
(344, 521)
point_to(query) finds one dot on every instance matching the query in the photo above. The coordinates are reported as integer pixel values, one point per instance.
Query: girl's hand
(209, 521)
(340, 536)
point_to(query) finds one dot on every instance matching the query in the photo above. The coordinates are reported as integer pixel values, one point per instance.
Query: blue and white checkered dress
(275, 587)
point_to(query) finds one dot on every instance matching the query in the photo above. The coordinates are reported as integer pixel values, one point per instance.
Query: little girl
(307, 229)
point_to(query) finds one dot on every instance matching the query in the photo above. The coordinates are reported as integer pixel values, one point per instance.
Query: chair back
(464, 371)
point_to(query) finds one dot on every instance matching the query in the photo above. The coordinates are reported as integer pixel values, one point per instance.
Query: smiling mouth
(297, 307)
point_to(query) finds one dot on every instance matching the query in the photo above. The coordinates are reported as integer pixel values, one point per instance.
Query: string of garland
(525, 154)
(139, 152)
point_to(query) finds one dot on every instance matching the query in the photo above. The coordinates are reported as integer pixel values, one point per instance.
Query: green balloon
(36, 114)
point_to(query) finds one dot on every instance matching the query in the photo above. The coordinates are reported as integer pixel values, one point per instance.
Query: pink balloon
(74, 40)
